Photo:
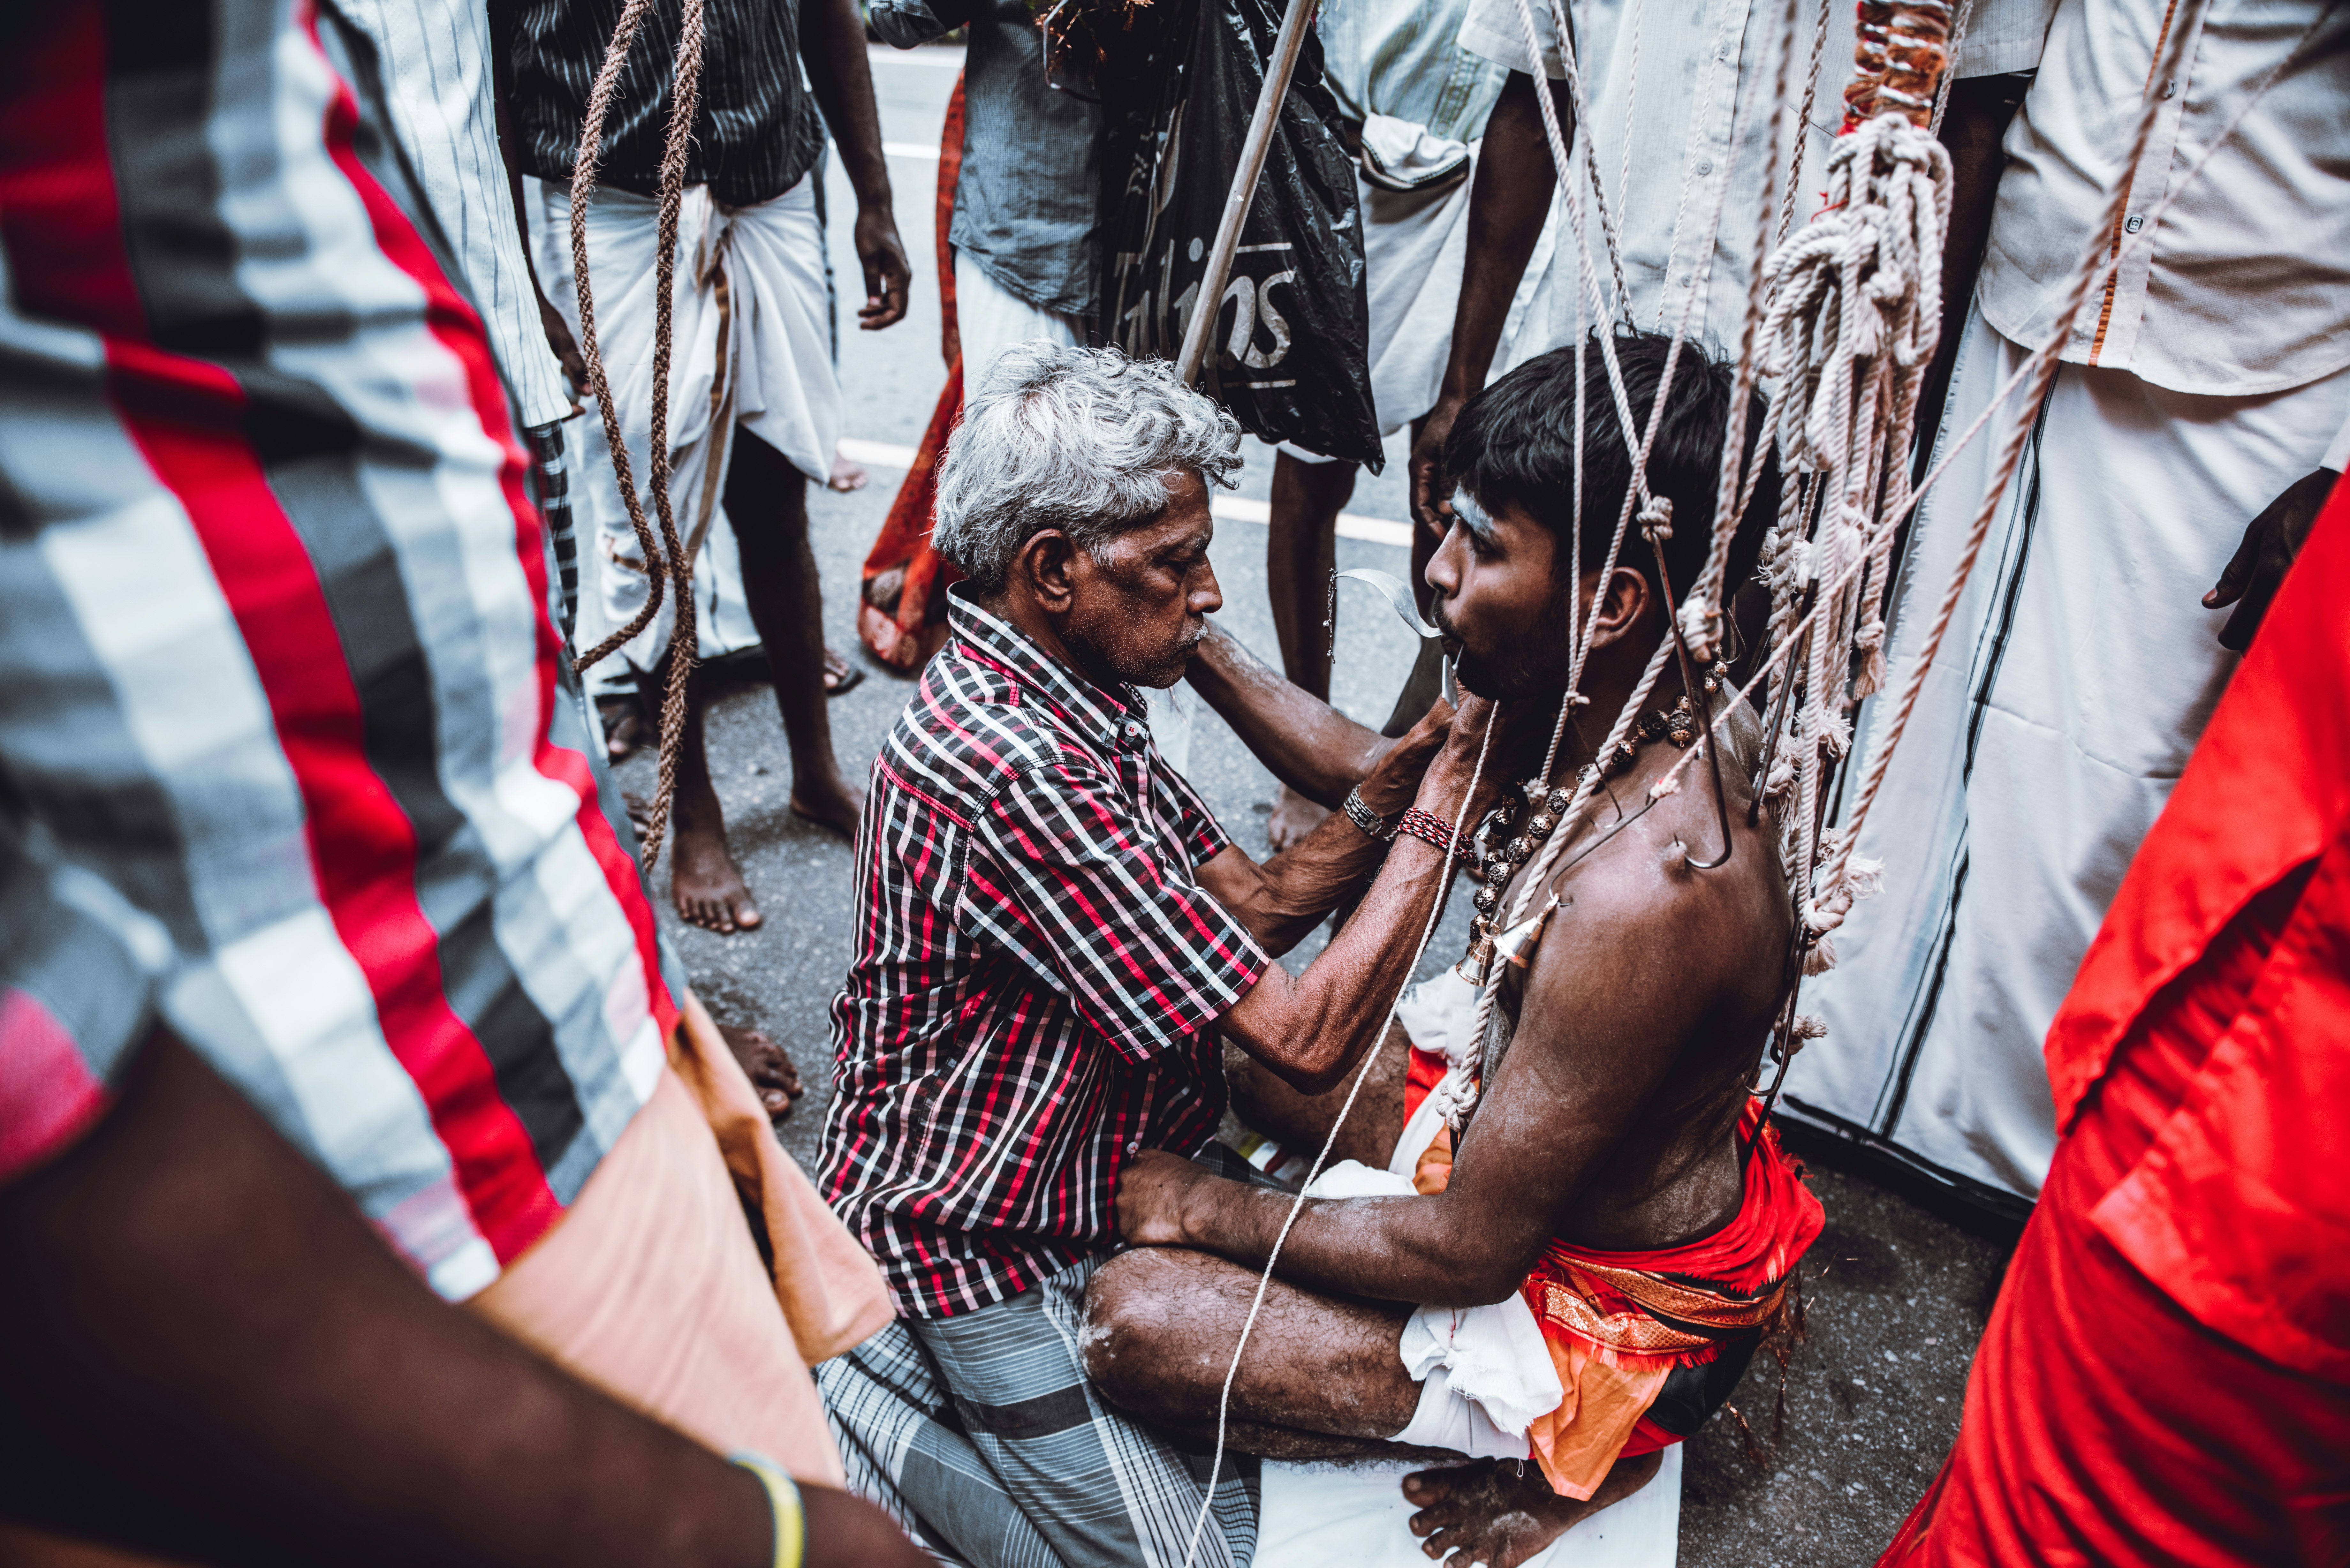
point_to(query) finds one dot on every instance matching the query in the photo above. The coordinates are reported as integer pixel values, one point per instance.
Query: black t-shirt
(755, 130)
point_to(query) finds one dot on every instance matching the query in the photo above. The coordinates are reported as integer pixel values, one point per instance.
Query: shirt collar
(1115, 724)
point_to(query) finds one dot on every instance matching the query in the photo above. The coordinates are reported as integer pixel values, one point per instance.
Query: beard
(1137, 667)
(1533, 664)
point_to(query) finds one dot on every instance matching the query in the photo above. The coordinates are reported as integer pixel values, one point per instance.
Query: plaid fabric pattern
(981, 1436)
(295, 762)
(1034, 973)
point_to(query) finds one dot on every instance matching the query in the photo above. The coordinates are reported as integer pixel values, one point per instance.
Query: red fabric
(2235, 1212)
(2104, 1425)
(904, 637)
(2166, 1378)
(49, 1095)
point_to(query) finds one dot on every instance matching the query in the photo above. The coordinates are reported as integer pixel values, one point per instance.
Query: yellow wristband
(783, 1497)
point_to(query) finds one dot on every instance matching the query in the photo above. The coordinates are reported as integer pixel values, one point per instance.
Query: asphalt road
(1895, 1298)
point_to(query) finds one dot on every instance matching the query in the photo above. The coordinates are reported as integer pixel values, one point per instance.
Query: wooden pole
(1277, 75)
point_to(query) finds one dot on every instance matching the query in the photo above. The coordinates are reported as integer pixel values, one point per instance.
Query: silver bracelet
(1360, 813)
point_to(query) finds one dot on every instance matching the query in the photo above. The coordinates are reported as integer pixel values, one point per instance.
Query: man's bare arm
(1311, 1028)
(832, 45)
(1508, 202)
(1303, 741)
(1604, 1018)
(1282, 900)
(209, 1355)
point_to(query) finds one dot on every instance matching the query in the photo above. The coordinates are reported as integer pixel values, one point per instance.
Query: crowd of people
(373, 1185)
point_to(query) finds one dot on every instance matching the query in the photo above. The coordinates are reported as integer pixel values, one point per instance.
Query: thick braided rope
(1298, 1204)
(1855, 314)
(583, 191)
(684, 641)
(1836, 883)
(669, 558)
(2040, 363)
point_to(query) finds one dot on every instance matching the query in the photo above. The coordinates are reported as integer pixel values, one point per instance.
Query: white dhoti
(751, 350)
(1485, 1374)
(2070, 689)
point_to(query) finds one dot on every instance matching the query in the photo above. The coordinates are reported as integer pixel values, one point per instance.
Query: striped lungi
(981, 1435)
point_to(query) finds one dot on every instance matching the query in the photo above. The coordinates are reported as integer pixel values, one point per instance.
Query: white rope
(1850, 873)
(1298, 1204)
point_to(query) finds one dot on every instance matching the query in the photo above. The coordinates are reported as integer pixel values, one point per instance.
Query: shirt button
(2136, 221)
(1133, 730)
(1132, 1145)
(1705, 165)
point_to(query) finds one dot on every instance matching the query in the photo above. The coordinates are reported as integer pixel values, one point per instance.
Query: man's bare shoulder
(1634, 909)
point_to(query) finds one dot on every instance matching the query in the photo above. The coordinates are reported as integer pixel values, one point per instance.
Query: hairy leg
(1161, 1322)
(704, 880)
(767, 501)
(1300, 551)
(1501, 1514)
(1302, 1121)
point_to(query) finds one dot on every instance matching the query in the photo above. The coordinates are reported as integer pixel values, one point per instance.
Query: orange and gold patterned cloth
(1649, 1344)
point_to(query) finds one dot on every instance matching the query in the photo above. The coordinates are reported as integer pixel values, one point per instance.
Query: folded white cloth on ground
(1485, 1372)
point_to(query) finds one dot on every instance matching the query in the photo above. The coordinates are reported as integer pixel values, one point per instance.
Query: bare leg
(766, 500)
(1302, 1121)
(704, 880)
(1161, 1322)
(1494, 1513)
(1301, 549)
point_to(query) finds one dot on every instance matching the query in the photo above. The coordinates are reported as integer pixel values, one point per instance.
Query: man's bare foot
(1294, 816)
(828, 802)
(705, 883)
(839, 675)
(1488, 1512)
(626, 733)
(771, 1071)
(846, 475)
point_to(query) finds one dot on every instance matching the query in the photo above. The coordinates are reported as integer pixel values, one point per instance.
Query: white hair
(1074, 439)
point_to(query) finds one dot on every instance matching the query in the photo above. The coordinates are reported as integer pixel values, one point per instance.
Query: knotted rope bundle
(667, 562)
(1854, 317)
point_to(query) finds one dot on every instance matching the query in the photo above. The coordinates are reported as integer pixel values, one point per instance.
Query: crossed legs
(1323, 1376)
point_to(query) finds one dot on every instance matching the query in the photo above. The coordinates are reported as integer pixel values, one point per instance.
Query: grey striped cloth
(981, 1436)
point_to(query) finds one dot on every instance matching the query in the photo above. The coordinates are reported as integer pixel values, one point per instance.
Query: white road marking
(1232, 508)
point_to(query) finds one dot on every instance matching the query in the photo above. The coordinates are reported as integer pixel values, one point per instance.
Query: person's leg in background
(766, 503)
(1301, 551)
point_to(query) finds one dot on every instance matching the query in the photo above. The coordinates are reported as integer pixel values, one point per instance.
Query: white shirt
(1682, 79)
(2242, 285)
(436, 73)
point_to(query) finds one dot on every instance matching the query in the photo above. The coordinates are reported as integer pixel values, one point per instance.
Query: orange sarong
(1649, 1344)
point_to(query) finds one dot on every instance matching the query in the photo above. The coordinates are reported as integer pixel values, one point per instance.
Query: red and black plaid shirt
(1035, 975)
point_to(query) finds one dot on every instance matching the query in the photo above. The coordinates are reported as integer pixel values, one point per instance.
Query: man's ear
(1046, 567)
(1619, 604)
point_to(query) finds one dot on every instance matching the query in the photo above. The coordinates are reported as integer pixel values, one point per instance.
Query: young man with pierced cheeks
(1582, 1281)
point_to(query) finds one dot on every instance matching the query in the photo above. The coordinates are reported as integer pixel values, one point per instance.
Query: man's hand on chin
(1151, 1190)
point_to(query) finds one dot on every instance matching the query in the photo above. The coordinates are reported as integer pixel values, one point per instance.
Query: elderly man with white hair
(1055, 932)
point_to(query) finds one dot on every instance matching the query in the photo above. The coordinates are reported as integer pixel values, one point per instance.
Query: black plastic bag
(1288, 355)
